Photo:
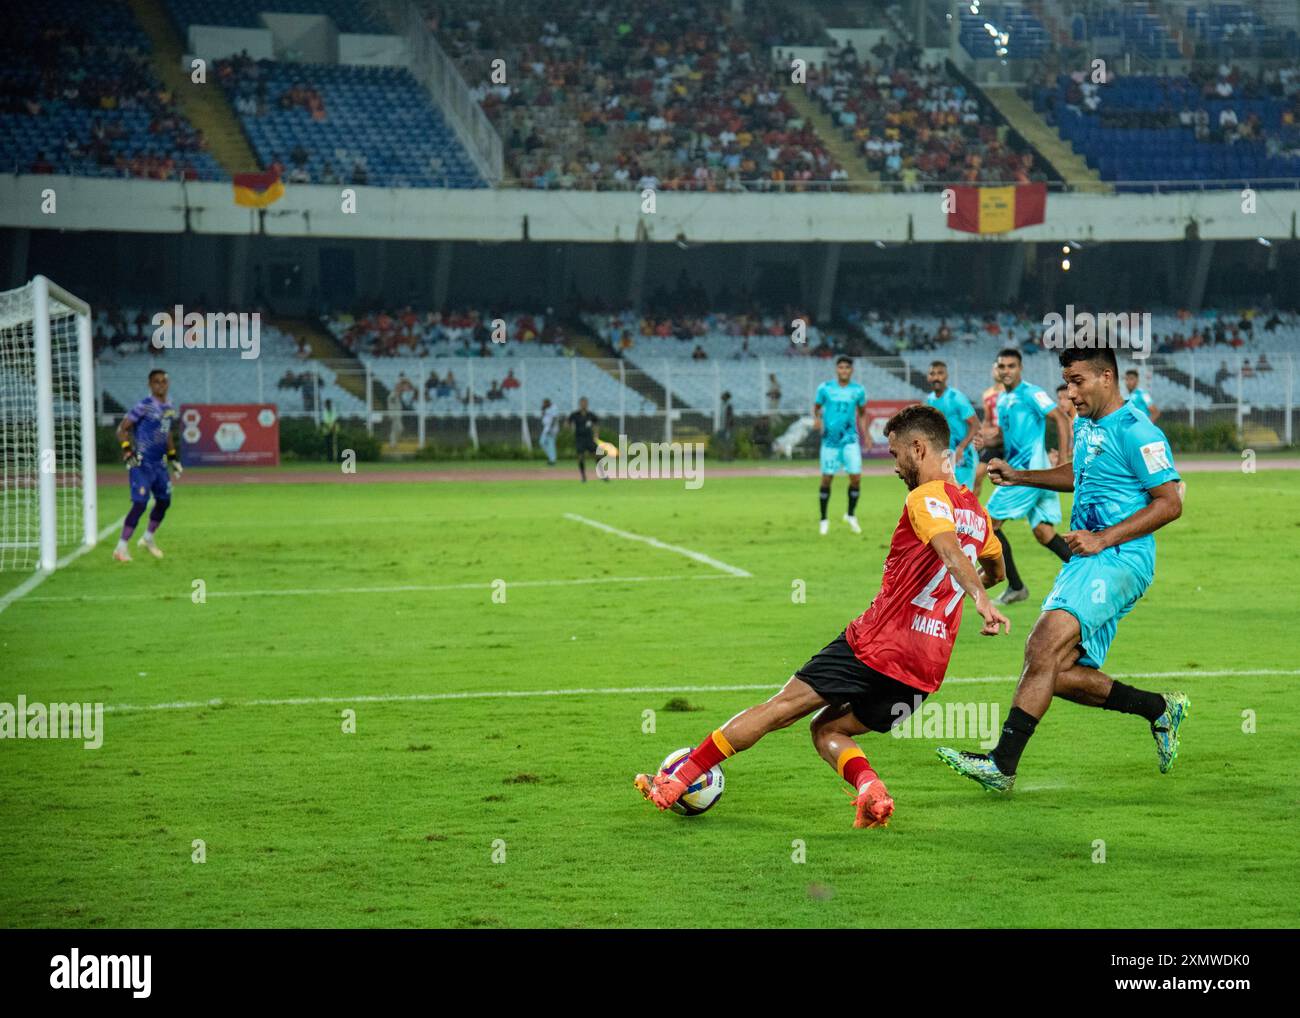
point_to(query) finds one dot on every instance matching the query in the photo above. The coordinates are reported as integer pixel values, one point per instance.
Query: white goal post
(47, 427)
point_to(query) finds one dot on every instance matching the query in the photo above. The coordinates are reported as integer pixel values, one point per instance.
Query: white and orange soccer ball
(704, 794)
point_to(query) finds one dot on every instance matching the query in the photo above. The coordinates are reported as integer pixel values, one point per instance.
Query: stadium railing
(438, 74)
(935, 186)
(657, 399)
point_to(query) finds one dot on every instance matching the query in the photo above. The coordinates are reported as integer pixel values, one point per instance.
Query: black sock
(1016, 731)
(853, 501)
(1058, 545)
(1013, 574)
(1128, 700)
(582, 466)
(824, 496)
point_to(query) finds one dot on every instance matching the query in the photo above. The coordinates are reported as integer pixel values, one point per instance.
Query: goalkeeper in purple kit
(149, 452)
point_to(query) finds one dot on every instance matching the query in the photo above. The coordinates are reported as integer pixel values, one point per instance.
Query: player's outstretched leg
(1164, 712)
(155, 521)
(1051, 647)
(795, 700)
(851, 517)
(824, 500)
(833, 728)
(121, 553)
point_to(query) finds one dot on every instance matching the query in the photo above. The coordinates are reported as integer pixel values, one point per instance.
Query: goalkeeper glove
(129, 456)
(174, 463)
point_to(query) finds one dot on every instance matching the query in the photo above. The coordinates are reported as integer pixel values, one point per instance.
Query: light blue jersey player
(1023, 410)
(149, 452)
(1138, 397)
(840, 413)
(1125, 489)
(962, 423)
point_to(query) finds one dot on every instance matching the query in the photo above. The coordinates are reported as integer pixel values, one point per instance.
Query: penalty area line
(654, 542)
(519, 694)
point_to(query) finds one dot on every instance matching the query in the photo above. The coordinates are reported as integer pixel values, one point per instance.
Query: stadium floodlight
(47, 427)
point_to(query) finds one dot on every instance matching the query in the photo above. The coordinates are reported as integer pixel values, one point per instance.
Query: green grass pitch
(520, 811)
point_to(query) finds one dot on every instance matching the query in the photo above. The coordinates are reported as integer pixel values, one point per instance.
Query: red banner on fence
(874, 443)
(223, 434)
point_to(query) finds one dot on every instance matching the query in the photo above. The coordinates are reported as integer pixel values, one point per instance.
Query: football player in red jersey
(875, 673)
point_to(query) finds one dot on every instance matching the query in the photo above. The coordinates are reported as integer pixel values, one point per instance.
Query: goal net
(47, 427)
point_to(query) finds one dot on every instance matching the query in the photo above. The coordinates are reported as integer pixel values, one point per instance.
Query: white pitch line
(514, 694)
(654, 542)
(417, 588)
(36, 579)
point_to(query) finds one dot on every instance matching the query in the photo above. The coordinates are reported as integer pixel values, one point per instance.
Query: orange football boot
(874, 805)
(663, 789)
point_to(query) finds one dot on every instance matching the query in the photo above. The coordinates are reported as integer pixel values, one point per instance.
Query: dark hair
(1100, 357)
(939, 364)
(843, 359)
(1062, 387)
(1010, 351)
(925, 420)
(1132, 371)
(157, 371)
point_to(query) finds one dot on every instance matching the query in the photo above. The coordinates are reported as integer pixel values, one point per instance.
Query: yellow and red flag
(257, 190)
(997, 209)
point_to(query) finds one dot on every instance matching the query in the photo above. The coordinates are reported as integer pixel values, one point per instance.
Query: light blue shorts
(1098, 590)
(1037, 505)
(847, 457)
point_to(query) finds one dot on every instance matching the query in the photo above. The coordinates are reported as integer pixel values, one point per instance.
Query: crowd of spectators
(670, 97)
(456, 333)
(98, 105)
(916, 126)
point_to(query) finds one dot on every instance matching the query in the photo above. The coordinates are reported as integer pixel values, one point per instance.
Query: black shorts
(584, 447)
(876, 700)
(990, 452)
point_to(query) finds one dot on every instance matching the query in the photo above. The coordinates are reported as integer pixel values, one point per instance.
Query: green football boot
(977, 767)
(1165, 728)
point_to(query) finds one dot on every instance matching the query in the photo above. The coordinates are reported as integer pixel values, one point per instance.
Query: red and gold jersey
(909, 630)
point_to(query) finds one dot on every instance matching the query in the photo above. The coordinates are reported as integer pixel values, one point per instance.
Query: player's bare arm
(1064, 431)
(972, 430)
(960, 568)
(1165, 507)
(1057, 478)
(817, 417)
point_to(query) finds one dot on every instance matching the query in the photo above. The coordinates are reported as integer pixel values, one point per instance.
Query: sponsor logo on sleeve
(938, 508)
(1043, 400)
(1156, 457)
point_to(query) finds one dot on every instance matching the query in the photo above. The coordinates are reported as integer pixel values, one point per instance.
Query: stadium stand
(1128, 27)
(1222, 124)
(631, 94)
(78, 97)
(281, 374)
(347, 15)
(1026, 38)
(328, 124)
(918, 126)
